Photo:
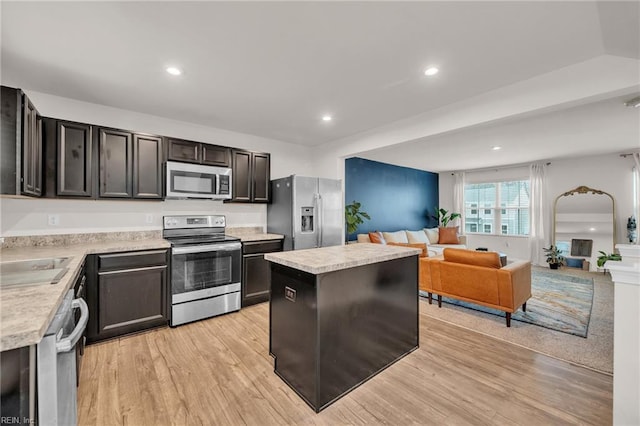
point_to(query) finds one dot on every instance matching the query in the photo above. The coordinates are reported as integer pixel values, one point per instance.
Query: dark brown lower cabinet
(127, 293)
(256, 272)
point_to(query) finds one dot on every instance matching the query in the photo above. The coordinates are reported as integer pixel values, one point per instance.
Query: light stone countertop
(246, 238)
(26, 311)
(328, 259)
(251, 233)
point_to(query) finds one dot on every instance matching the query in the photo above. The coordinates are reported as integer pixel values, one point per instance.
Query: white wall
(30, 216)
(610, 173)
(26, 216)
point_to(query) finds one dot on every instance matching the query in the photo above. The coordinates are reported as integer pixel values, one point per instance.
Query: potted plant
(444, 217)
(354, 217)
(604, 257)
(554, 256)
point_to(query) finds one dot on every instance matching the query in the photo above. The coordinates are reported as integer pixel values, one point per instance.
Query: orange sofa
(477, 277)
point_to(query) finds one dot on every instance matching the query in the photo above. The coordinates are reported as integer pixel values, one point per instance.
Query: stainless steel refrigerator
(308, 211)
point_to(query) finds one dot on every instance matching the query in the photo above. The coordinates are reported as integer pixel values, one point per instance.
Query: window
(505, 208)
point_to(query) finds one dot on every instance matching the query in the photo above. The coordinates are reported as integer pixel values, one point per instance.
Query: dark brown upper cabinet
(31, 149)
(21, 145)
(116, 163)
(130, 165)
(74, 177)
(88, 161)
(198, 152)
(147, 166)
(251, 176)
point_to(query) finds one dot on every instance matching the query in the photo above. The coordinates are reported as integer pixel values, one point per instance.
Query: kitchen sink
(34, 271)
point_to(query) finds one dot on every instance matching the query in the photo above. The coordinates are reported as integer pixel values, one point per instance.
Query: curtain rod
(511, 166)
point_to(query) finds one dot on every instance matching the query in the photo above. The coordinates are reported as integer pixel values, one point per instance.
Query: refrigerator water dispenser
(306, 219)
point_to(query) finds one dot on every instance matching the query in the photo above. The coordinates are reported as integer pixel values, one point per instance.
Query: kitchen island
(340, 315)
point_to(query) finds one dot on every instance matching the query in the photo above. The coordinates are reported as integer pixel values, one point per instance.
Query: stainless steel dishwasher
(56, 359)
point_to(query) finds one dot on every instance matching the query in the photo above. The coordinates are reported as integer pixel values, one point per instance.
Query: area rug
(558, 301)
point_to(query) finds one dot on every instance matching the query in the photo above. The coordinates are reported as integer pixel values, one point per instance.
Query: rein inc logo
(15, 420)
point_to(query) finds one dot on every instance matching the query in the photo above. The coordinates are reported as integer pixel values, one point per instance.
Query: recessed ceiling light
(431, 71)
(326, 118)
(592, 229)
(174, 70)
(496, 148)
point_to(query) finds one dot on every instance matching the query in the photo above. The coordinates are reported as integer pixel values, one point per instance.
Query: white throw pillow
(363, 238)
(433, 234)
(417, 237)
(395, 237)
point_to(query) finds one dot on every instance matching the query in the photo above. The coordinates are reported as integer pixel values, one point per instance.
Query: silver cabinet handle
(146, 268)
(68, 343)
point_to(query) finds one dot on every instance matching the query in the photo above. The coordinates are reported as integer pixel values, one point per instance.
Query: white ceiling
(595, 128)
(274, 68)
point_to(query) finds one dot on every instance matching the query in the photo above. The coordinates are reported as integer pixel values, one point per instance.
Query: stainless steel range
(206, 267)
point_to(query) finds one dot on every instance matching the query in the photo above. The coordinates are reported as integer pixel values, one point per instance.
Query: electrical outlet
(53, 220)
(149, 218)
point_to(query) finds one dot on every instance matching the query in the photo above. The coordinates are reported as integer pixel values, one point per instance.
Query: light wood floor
(218, 371)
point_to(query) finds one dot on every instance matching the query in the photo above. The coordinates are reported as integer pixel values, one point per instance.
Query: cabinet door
(31, 150)
(215, 155)
(261, 177)
(131, 300)
(147, 167)
(179, 150)
(74, 147)
(256, 282)
(115, 164)
(242, 175)
(10, 140)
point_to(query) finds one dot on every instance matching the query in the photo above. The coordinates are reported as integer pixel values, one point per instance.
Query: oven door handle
(207, 248)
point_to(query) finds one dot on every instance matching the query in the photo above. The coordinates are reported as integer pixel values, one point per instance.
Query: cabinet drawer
(128, 260)
(261, 247)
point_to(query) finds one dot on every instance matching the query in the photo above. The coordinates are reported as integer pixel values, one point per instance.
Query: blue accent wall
(395, 197)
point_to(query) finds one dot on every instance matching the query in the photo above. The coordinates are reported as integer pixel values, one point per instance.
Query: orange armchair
(477, 277)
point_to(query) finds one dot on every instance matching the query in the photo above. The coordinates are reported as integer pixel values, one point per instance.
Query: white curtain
(540, 226)
(458, 199)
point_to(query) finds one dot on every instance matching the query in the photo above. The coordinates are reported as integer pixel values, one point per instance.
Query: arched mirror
(584, 223)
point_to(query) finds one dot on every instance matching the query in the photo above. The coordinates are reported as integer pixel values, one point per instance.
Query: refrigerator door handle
(320, 219)
(317, 225)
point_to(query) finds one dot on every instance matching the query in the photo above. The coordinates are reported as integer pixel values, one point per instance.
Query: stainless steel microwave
(186, 180)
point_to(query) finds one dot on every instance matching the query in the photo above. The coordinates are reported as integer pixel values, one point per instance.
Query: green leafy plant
(554, 255)
(604, 257)
(354, 217)
(444, 217)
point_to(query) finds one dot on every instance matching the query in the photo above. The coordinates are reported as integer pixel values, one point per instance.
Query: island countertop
(26, 311)
(328, 259)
